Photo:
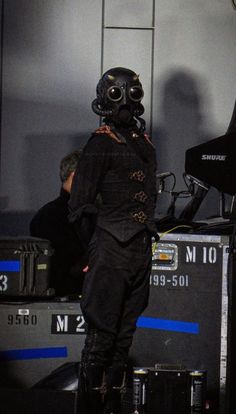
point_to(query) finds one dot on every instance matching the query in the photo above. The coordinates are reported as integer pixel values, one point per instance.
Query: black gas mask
(119, 95)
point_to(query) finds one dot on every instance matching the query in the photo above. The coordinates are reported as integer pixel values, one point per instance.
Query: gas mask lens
(136, 93)
(116, 93)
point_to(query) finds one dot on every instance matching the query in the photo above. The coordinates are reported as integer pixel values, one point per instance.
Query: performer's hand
(85, 269)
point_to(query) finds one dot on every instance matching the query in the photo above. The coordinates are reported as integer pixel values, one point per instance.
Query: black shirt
(51, 223)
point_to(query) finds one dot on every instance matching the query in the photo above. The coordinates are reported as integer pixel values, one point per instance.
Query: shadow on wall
(182, 125)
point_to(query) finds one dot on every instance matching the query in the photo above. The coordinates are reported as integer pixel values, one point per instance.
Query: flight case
(188, 321)
(25, 267)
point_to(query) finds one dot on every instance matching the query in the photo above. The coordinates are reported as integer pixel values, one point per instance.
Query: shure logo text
(211, 157)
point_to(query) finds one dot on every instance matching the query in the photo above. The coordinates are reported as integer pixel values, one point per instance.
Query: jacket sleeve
(91, 169)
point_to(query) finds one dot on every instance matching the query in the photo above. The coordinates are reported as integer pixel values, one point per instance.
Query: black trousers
(115, 293)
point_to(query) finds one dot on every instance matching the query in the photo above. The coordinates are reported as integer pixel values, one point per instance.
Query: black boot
(91, 389)
(116, 378)
(94, 358)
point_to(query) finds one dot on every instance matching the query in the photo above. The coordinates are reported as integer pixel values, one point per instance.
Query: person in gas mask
(119, 164)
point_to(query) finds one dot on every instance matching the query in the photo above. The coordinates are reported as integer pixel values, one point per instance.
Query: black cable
(162, 182)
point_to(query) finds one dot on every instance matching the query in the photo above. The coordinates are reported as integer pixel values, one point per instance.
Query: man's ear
(68, 183)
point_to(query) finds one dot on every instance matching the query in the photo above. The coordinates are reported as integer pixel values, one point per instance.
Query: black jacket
(120, 166)
(51, 222)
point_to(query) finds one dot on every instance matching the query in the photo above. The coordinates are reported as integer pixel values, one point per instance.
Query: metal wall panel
(51, 65)
(128, 41)
(132, 13)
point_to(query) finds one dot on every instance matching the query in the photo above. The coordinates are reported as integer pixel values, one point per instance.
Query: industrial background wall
(53, 53)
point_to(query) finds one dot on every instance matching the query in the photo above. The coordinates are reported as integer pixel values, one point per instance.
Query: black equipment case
(25, 267)
(191, 316)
